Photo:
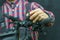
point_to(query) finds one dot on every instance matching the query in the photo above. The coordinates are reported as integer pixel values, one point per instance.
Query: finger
(34, 15)
(36, 19)
(33, 11)
(44, 15)
(40, 18)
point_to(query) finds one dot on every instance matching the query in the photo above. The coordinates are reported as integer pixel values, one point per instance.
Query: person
(17, 8)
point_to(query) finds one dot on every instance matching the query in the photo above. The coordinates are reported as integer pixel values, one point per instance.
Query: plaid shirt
(18, 9)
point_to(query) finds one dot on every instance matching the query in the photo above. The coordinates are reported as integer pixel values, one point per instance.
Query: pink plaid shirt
(18, 9)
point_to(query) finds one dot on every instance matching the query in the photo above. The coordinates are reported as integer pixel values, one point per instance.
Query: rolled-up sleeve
(35, 5)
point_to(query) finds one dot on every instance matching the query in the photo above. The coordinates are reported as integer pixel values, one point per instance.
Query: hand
(38, 15)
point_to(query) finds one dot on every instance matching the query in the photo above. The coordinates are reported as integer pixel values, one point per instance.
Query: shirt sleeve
(35, 5)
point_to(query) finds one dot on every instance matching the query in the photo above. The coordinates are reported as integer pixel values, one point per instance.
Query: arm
(34, 5)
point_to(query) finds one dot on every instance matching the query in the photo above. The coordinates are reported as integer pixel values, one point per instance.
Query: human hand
(37, 15)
